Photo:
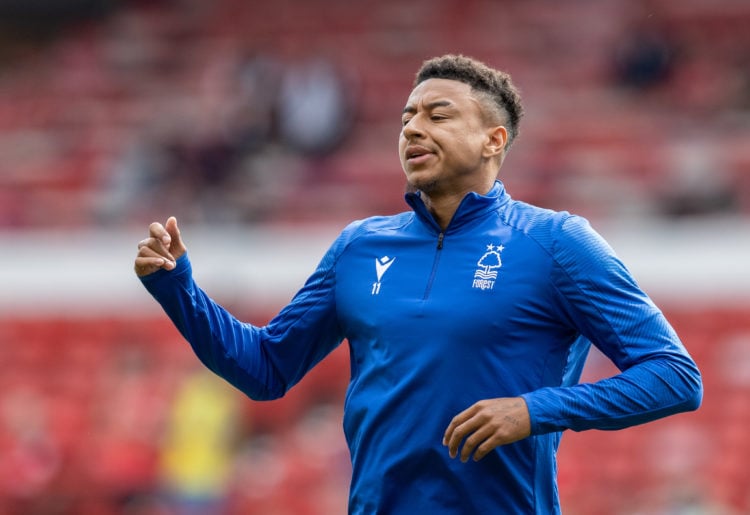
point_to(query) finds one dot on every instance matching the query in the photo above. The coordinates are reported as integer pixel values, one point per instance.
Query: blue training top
(503, 303)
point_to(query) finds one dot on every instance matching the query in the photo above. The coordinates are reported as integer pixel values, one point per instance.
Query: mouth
(415, 154)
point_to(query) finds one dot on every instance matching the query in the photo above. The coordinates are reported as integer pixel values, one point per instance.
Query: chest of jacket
(476, 288)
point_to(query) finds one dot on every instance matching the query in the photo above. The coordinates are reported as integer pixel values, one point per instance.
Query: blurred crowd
(243, 112)
(116, 416)
(110, 417)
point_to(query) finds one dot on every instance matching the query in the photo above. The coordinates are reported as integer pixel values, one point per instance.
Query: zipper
(435, 262)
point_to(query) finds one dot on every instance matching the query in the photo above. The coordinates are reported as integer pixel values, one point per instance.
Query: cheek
(461, 143)
(473, 142)
(466, 151)
(401, 141)
(401, 148)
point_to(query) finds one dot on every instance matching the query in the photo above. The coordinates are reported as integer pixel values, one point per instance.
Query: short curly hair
(497, 85)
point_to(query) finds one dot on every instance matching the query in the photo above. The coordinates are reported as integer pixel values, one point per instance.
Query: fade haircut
(495, 85)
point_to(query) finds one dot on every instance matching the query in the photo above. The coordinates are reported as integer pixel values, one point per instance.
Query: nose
(413, 129)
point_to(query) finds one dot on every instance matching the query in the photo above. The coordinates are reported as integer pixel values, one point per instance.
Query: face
(444, 139)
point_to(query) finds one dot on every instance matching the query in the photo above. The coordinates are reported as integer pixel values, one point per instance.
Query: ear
(497, 137)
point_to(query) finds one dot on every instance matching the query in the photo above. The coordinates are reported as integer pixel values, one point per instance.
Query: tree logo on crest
(486, 272)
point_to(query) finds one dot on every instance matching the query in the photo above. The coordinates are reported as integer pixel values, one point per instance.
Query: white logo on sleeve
(382, 265)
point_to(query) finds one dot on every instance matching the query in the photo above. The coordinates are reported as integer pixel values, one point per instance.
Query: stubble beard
(426, 187)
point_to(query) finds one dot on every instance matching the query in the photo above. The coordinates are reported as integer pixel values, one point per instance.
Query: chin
(425, 184)
(427, 187)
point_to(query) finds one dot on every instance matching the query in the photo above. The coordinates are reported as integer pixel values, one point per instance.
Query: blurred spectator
(734, 364)
(696, 184)
(29, 457)
(314, 106)
(298, 469)
(740, 94)
(128, 418)
(644, 55)
(134, 182)
(197, 453)
(258, 76)
(682, 501)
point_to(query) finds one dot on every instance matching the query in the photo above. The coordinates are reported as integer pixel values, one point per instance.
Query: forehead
(433, 90)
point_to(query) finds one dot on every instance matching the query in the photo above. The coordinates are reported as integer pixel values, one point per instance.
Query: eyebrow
(410, 109)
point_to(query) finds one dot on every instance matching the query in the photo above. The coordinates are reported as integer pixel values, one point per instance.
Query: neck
(444, 206)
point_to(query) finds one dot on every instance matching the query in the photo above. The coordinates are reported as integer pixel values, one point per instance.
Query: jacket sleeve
(263, 362)
(599, 297)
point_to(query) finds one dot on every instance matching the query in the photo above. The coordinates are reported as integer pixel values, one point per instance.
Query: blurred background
(266, 127)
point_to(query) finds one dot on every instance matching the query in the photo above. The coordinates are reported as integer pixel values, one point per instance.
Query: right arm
(263, 362)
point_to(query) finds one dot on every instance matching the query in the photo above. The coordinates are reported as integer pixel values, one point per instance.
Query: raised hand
(161, 249)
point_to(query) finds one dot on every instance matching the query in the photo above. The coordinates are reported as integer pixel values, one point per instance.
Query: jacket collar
(472, 206)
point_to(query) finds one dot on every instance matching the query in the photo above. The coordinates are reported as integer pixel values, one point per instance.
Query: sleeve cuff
(182, 268)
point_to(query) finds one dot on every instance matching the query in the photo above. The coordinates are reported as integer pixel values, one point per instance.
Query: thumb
(176, 247)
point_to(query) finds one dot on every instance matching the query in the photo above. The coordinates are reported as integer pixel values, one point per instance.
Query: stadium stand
(86, 403)
(91, 121)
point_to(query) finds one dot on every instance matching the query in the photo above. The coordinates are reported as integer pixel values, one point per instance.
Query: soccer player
(469, 318)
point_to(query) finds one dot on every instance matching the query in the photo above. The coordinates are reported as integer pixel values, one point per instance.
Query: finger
(473, 440)
(156, 257)
(155, 246)
(153, 249)
(149, 262)
(176, 245)
(147, 265)
(457, 421)
(451, 430)
(150, 242)
(157, 231)
(487, 446)
(459, 434)
(159, 238)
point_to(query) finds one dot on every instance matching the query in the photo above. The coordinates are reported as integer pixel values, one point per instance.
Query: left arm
(601, 300)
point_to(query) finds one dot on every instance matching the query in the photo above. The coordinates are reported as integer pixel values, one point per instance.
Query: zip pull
(440, 240)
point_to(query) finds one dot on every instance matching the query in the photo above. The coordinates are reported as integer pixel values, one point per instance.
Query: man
(468, 318)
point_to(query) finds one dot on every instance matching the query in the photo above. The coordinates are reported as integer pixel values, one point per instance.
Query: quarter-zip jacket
(505, 302)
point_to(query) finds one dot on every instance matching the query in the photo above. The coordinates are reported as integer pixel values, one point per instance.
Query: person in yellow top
(198, 449)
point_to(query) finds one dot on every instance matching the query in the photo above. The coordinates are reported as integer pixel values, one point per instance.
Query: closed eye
(434, 118)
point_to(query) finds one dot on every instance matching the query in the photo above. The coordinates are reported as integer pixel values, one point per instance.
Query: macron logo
(381, 267)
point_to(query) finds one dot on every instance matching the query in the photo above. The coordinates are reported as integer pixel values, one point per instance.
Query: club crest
(486, 272)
